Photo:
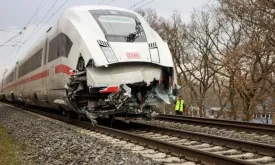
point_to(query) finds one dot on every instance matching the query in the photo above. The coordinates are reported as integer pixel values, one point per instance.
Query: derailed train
(97, 60)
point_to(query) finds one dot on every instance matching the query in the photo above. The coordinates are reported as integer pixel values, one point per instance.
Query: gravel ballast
(48, 142)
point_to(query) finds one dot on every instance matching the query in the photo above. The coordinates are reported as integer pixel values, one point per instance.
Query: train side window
(53, 49)
(59, 46)
(36, 60)
(28, 66)
(31, 64)
(65, 45)
(10, 77)
(23, 69)
(20, 72)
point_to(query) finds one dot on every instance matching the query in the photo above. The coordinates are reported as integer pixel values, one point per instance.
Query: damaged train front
(122, 89)
(131, 72)
(131, 89)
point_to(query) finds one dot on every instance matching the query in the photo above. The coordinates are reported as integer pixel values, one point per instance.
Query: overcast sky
(16, 13)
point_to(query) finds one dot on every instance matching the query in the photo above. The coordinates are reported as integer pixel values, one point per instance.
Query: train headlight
(110, 55)
(154, 55)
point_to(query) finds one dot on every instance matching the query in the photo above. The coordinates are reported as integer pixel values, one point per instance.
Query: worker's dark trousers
(178, 113)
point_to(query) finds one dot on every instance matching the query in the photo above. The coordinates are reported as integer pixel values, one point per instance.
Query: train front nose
(133, 86)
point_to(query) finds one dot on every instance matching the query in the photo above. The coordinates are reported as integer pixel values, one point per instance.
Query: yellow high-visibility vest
(179, 105)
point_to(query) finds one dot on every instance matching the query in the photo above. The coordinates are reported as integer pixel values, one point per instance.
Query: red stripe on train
(63, 69)
(40, 75)
(58, 69)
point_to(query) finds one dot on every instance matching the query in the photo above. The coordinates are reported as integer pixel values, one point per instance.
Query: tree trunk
(233, 110)
(246, 109)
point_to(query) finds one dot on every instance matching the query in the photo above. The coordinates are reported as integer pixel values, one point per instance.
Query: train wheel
(18, 104)
(26, 106)
(66, 113)
(69, 114)
(82, 117)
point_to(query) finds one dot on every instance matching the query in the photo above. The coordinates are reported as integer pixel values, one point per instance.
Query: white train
(97, 60)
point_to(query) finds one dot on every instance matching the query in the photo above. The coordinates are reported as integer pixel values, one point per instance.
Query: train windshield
(117, 25)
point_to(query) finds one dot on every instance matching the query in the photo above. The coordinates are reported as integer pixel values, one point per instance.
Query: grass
(8, 151)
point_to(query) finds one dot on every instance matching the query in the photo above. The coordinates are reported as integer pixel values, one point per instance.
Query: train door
(45, 75)
(53, 65)
(15, 81)
(55, 88)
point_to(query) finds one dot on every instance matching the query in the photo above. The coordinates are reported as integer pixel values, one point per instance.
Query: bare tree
(175, 35)
(227, 41)
(253, 81)
(255, 78)
(201, 67)
(153, 19)
(226, 51)
(257, 14)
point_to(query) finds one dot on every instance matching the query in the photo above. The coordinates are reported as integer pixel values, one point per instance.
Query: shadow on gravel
(118, 124)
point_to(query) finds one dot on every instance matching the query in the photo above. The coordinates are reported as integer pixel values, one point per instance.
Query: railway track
(247, 151)
(218, 123)
(199, 148)
(245, 146)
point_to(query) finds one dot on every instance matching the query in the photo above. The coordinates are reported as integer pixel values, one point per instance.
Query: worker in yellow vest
(179, 106)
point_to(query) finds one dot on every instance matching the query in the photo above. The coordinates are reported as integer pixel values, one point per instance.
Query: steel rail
(260, 148)
(174, 149)
(227, 124)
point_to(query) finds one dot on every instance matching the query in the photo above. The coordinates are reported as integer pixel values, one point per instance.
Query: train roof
(97, 7)
(37, 42)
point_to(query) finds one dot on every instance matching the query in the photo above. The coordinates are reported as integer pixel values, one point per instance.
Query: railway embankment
(47, 141)
(8, 148)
